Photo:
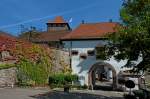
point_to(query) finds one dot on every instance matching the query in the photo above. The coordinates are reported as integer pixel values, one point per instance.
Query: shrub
(34, 70)
(30, 73)
(61, 80)
(139, 93)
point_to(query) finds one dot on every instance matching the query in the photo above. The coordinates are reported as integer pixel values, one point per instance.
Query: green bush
(60, 80)
(139, 93)
(31, 74)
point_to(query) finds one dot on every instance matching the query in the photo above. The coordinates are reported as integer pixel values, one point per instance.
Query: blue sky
(37, 12)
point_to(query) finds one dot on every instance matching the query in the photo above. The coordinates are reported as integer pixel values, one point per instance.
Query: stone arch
(95, 66)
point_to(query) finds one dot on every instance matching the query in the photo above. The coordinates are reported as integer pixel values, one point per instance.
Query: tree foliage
(34, 64)
(29, 34)
(133, 38)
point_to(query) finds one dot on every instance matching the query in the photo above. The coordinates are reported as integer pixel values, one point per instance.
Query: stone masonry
(8, 77)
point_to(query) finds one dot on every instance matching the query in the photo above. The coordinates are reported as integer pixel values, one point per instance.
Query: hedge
(59, 80)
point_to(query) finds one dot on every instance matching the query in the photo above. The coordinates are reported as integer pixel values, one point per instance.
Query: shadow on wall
(71, 95)
(86, 64)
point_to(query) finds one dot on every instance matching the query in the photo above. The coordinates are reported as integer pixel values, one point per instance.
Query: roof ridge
(98, 22)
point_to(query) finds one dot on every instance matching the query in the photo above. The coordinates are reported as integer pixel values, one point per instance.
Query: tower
(58, 24)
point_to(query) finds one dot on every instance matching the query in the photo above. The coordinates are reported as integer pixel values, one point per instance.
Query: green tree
(29, 34)
(133, 37)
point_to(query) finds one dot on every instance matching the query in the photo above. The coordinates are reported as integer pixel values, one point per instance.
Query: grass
(6, 66)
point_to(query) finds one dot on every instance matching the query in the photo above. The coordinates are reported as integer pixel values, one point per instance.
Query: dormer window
(83, 56)
(74, 52)
(91, 52)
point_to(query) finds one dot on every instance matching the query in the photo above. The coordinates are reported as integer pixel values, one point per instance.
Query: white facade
(80, 66)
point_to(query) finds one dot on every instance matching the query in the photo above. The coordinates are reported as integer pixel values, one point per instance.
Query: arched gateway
(99, 68)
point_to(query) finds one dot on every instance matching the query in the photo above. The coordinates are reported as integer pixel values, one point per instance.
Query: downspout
(70, 56)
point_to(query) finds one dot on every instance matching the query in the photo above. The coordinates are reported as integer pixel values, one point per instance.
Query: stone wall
(8, 77)
(60, 58)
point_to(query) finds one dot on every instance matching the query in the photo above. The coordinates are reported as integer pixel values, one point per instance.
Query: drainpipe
(70, 56)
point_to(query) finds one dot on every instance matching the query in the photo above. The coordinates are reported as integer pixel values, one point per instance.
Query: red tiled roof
(50, 36)
(92, 30)
(58, 19)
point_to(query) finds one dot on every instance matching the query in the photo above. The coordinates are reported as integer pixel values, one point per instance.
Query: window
(91, 52)
(54, 25)
(74, 52)
(63, 25)
(58, 25)
(50, 25)
(83, 56)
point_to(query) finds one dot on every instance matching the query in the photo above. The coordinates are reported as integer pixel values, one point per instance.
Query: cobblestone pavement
(20, 93)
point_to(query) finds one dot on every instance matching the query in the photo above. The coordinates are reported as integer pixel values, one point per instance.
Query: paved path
(20, 93)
